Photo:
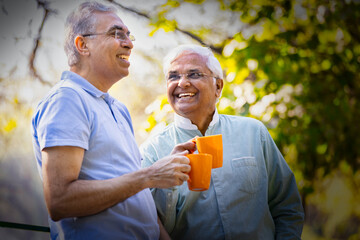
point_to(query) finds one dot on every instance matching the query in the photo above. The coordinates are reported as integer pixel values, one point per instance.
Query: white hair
(81, 21)
(211, 61)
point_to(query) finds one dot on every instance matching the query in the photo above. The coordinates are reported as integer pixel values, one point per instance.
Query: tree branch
(217, 50)
(47, 11)
(129, 9)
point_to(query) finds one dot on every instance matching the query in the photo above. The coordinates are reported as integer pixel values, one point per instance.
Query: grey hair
(81, 21)
(211, 61)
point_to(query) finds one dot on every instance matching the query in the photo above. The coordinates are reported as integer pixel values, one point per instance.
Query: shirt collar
(185, 123)
(84, 84)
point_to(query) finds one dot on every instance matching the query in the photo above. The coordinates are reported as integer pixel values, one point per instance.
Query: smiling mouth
(124, 57)
(184, 95)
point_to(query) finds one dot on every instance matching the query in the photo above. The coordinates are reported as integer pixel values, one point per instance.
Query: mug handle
(194, 141)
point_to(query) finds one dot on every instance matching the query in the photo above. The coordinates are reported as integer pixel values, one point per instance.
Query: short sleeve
(63, 120)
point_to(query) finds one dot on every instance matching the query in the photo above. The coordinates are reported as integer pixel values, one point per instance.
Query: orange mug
(211, 145)
(200, 173)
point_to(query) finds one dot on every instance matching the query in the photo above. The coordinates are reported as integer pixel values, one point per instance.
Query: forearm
(87, 197)
(66, 196)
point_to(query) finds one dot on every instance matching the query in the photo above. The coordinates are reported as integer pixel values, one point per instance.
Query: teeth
(123, 57)
(186, 95)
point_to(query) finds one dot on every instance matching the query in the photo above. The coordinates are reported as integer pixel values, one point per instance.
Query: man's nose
(127, 43)
(183, 81)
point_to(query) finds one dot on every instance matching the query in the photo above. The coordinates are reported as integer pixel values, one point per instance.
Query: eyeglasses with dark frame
(172, 77)
(115, 33)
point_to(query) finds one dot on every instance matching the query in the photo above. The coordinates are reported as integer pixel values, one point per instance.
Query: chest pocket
(247, 174)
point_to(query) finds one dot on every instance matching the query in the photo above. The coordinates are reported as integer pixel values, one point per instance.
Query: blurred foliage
(294, 65)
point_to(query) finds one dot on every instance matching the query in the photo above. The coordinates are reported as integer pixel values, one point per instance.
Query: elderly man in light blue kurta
(254, 195)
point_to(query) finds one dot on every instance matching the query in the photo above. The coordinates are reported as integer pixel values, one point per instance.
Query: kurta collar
(185, 123)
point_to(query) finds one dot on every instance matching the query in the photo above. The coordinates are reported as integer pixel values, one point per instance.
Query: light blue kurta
(75, 113)
(253, 196)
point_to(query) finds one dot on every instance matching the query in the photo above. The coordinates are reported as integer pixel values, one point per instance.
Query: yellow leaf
(153, 31)
(10, 125)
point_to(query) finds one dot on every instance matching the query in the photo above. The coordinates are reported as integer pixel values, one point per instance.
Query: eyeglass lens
(122, 36)
(189, 76)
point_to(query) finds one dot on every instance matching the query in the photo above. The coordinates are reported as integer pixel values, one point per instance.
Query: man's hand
(170, 171)
(189, 146)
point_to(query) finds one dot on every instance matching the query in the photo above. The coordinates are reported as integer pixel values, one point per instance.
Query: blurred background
(294, 65)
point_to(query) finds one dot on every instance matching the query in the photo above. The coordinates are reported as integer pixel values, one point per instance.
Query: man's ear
(219, 86)
(81, 46)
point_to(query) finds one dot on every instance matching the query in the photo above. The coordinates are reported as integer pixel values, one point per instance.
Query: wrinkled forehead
(188, 61)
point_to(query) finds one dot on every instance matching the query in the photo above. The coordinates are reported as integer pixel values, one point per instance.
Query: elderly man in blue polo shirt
(254, 194)
(84, 143)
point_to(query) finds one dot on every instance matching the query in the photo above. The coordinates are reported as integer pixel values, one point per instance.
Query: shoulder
(240, 121)
(160, 135)
(158, 145)
(62, 91)
(158, 138)
(66, 98)
(61, 102)
(243, 126)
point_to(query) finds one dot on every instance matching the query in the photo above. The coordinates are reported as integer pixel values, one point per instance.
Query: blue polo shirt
(75, 113)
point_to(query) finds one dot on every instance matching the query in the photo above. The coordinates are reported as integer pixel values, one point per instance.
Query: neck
(202, 123)
(97, 81)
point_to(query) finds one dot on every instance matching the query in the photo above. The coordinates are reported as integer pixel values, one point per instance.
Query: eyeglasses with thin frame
(172, 77)
(115, 33)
